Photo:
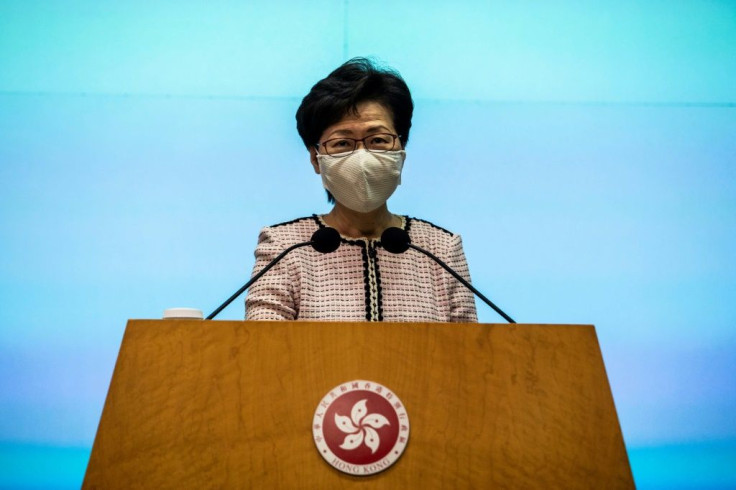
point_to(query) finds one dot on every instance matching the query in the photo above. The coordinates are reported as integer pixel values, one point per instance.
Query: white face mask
(363, 180)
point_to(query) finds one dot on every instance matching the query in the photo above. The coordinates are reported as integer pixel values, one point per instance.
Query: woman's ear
(313, 159)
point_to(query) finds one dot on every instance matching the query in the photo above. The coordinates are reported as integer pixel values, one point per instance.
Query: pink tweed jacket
(360, 281)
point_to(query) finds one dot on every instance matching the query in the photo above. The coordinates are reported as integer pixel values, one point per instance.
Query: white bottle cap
(183, 313)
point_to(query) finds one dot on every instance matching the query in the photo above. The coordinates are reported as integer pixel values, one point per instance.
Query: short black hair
(355, 81)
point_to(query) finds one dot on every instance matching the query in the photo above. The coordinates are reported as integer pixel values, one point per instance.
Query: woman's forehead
(368, 116)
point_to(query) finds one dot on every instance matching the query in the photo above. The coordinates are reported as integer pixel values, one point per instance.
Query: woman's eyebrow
(380, 127)
(343, 132)
(369, 129)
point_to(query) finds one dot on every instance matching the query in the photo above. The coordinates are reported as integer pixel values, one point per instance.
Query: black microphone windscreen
(326, 240)
(395, 240)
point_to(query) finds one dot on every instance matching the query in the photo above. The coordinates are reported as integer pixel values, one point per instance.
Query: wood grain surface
(227, 404)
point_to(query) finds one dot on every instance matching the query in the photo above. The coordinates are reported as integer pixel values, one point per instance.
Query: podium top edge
(205, 323)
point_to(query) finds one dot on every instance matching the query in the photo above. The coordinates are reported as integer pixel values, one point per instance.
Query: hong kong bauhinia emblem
(361, 427)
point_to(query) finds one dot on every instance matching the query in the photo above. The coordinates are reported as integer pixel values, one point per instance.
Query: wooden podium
(228, 404)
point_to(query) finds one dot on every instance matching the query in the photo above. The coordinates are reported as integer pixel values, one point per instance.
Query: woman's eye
(339, 143)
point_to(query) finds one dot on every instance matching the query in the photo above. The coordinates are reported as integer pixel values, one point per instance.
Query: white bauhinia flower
(361, 427)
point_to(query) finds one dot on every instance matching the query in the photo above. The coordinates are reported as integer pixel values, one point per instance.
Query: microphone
(324, 240)
(397, 241)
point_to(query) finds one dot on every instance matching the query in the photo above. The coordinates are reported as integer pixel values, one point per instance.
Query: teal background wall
(584, 150)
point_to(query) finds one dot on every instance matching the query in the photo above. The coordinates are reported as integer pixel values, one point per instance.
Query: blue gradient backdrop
(584, 150)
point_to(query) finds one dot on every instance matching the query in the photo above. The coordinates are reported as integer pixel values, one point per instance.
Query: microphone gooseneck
(397, 241)
(324, 240)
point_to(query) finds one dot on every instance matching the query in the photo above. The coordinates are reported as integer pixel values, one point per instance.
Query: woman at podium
(355, 124)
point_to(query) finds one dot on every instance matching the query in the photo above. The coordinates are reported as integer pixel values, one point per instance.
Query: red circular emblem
(361, 427)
